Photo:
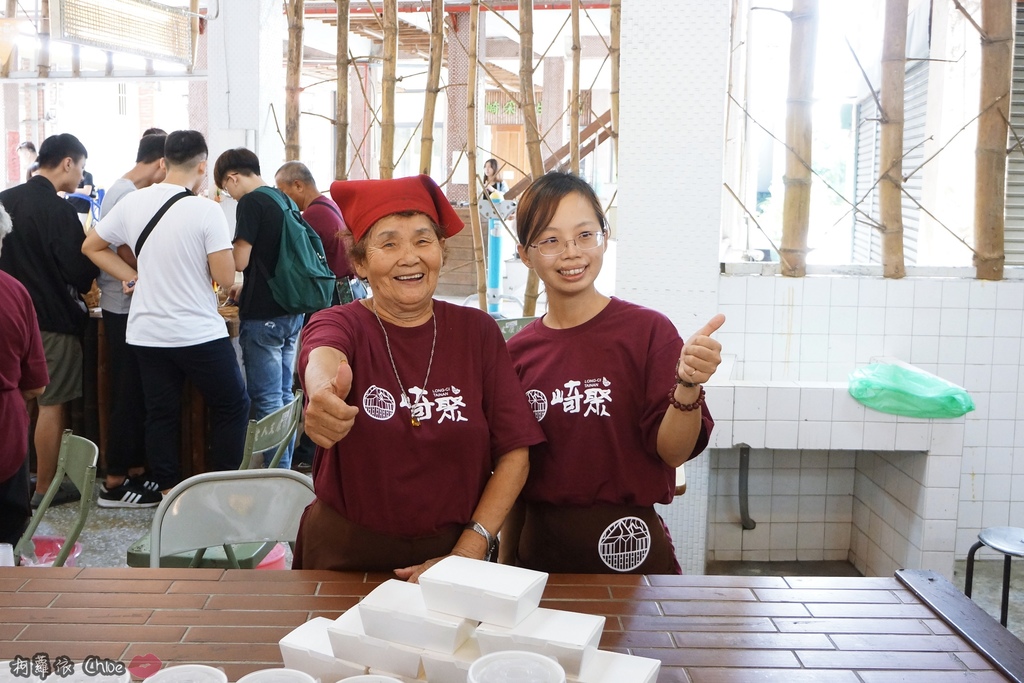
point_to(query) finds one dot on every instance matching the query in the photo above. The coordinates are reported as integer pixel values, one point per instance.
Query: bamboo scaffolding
(990, 170)
(44, 39)
(529, 104)
(387, 97)
(574, 112)
(295, 9)
(433, 84)
(341, 92)
(474, 195)
(796, 206)
(533, 136)
(193, 8)
(614, 51)
(890, 195)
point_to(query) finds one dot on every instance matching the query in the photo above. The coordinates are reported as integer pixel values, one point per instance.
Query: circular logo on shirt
(378, 403)
(538, 403)
(624, 545)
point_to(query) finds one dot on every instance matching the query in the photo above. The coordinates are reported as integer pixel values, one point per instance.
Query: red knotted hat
(364, 202)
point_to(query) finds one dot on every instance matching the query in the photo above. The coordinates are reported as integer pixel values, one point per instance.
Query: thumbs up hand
(701, 354)
(328, 417)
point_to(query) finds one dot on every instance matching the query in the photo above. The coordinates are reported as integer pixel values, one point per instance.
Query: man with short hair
(125, 485)
(320, 211)
(268, 334)
(173, 324)
(43, 252)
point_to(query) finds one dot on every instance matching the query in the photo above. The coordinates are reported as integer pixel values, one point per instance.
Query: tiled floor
(109, 532)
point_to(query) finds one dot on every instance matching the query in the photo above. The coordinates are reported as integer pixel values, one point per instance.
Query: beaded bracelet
(685, 407)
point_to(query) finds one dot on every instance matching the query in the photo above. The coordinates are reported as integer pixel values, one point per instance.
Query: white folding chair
(227, 508)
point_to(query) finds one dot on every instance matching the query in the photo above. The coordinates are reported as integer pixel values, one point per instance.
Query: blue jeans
(268, 353)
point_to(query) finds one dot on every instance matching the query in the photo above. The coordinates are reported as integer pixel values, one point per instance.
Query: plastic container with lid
(515, 666)
(277, 676)
(370, 678)
(189, 673)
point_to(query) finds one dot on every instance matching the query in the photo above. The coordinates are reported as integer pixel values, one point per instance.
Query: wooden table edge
(1004, 650)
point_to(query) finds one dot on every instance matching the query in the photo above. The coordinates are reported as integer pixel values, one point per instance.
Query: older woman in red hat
(422, 427)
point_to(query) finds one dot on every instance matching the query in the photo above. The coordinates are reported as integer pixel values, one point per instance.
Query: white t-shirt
(112, 298)
(174, 304)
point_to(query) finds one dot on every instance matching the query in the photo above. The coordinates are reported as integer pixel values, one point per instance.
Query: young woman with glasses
(617, 393)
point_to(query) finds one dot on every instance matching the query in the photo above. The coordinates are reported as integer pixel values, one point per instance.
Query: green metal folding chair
(273, 432)
(510, 326)
(76, 459)
(229, 509)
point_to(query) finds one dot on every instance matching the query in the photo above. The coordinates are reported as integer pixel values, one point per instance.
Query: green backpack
(302, 281)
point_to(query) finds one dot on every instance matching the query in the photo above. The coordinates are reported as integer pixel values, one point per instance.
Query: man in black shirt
(44, 253)
(268, 334)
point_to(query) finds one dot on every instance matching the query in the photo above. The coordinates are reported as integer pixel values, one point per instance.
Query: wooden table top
(702, 628)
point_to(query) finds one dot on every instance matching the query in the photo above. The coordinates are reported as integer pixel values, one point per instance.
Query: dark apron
(600, 539)
(327, 540)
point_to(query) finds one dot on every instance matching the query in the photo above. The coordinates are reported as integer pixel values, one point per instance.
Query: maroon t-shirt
(22, 367)
(324, 216)
(390, 476)
(600, 391)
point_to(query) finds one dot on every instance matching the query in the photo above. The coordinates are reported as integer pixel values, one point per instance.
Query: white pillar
(673, 81)
(245, 49)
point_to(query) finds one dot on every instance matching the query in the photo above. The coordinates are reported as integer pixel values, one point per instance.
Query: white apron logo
(538, 403)
(378, 403)
(624, 545)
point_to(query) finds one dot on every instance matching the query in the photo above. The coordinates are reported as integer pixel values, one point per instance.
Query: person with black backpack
(285, 275)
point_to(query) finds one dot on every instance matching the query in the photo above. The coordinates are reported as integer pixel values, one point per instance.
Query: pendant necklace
(387, 342)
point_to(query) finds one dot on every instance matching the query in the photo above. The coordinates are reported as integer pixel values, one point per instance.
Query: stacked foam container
(461, 609)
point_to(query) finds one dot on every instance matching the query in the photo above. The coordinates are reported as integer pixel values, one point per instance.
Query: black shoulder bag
(156, 219)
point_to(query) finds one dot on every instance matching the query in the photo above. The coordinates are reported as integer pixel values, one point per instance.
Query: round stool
(1009, 540)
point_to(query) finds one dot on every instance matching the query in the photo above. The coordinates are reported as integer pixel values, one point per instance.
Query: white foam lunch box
(308, 648)
(395, 611)
(567, 637)
(350, 642)
(483, 591)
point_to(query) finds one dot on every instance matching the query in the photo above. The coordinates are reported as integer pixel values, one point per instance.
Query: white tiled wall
(801, 502)
(804, 336)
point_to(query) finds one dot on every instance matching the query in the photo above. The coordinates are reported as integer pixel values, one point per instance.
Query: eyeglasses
(553, 246)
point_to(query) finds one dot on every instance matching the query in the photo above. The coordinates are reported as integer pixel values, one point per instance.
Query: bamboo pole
(533, 136)
(796, 205)
(990, 169)
(528, 96)
(433, 84)
(614, 51)
(44, 39)
(341, 103)
(890, 195)
(574, 111)
(193, 8)
(474, 193)
(295, 10)
(387, 98)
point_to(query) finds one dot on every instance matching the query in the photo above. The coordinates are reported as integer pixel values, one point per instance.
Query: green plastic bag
(902, 390)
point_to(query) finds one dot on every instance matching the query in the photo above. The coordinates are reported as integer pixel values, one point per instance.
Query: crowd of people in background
(431, 436)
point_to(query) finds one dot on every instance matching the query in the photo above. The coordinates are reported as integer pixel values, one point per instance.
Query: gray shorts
(64, 359)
